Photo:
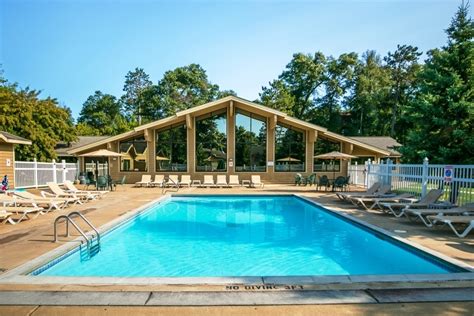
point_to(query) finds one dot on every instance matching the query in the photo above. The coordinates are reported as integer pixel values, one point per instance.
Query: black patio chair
(340, 183)
(323, 182)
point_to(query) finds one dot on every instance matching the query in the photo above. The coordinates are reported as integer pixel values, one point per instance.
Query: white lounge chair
(256, 182)
(70, 187)
(234, 180)
(222, 181)
(467, 221)
(185, 180)
(398, 209)
(208, 181)
(18, 201)
(370, 191)
(5, 217)
(24, 211)
(145, 181)
(370, 203)
(57, 192)
(49, 203)
(158, 181)
(425, 214)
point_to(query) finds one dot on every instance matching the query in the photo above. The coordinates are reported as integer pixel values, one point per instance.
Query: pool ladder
(175, 184)
(92, 248)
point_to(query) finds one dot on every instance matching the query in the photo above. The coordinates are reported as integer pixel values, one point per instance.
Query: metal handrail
(163, 190)
(66, 217)
(87, 221)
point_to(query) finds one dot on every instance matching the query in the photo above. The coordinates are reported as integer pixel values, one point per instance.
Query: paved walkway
(306, 310)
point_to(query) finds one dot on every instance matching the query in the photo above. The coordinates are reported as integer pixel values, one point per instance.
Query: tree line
(427, 106)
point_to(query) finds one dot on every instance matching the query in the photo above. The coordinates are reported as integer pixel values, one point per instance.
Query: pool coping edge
(17, 275)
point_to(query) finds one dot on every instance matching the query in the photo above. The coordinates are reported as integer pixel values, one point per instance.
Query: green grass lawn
(465, 195)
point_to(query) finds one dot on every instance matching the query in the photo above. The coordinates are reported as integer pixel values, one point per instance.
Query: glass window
(250, 142)
(323, 146)
(211, 142)
(290, 149)
(171, 149)
(134, 154)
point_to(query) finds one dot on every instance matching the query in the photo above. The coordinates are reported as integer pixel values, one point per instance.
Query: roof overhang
(357, 143)
(7, 140)
(181, 115)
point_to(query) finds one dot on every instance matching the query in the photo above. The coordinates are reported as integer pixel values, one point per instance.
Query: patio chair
(323, 182)
(298, 179)
(370, 203)
(24, 211)
(57, 192)
(173, 180)
(467, 221)
(70, 187)
(234, 180)
(222, 181)
(185, 180)
(398, 209)
(370, 191)
(208, 181)
(50, 203)
(90, 180)
(340, 183)
(159, 180)
(311, 180)
(425, 214)
(255, 181)
(346, 182)
(120, 182)
(5, 217)
(145, 181)
(102, 183)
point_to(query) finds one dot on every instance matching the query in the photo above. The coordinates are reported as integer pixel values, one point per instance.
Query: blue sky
(69, 49)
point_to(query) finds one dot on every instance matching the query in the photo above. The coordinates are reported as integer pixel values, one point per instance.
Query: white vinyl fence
(457, 181)
(33, 174)
(357, 174)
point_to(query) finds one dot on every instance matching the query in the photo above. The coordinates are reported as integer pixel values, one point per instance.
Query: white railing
(457, 181)
(357, 174)
(92, 166)
(33, 174)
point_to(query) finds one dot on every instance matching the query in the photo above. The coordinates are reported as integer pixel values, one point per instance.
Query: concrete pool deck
(30, 239)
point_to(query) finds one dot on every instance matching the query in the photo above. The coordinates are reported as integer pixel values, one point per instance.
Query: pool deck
(30, 239)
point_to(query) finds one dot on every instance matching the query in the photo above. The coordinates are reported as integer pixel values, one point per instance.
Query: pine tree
(443, 110)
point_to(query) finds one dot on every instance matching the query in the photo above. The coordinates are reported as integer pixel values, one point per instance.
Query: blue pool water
(243, 236)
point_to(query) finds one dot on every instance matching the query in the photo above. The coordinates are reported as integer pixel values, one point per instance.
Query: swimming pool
(213, 236)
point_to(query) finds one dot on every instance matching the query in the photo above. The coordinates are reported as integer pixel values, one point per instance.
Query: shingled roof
(382, 142)
(6, 137)
(62, 147)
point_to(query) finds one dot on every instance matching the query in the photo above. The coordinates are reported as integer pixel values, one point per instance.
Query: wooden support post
(231, 108)
(189, 121)
(146, 134)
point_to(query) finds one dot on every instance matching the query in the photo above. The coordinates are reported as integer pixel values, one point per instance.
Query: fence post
(63, 165)
(389, 172)
(35, 172)
(356, 174)
(55, 178)
(424, 177)
(367, 172)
